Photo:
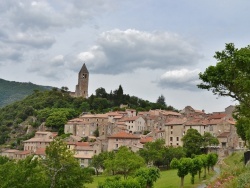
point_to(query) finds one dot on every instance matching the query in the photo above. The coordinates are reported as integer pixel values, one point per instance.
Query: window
(116, 139)
(171, 138)
(177, 144)
(177, 138)
(171, 127)
(116, 145)
(171, 132)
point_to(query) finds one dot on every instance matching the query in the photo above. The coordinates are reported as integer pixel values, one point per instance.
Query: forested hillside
(55, 107)
(11, 91)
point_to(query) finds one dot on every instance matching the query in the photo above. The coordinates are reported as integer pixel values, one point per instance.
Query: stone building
(83, 82)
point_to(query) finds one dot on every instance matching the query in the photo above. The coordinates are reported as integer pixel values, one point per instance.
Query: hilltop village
(91, 134)
(126, 128)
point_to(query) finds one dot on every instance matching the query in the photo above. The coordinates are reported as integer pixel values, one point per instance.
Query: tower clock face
(84, 76)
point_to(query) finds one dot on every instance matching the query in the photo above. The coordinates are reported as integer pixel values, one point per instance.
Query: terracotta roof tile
(146, 139)
(123, 134)
(40, 151)
(224, 134)
(82, 144)
(217, 116)
(177, 121)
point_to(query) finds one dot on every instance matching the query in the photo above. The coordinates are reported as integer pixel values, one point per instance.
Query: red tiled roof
(224, 134)
(131, 118)
(123, 134)
(195, 122)
(82, 143)
(176, 122)
(40, 151)
(214, 121)
(146, 139)
(24, 152)
(171, 113)
(231, 122)
(217, 116)
(76, 120)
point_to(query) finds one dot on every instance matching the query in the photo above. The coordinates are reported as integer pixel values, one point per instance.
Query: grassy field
(168, 179)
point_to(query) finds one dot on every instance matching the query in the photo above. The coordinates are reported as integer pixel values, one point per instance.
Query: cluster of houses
(108, 132)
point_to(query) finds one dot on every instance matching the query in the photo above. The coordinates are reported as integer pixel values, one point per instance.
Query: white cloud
(8, 54)
(36, 40)
(120, 51)
(51, 68)
(180, 79)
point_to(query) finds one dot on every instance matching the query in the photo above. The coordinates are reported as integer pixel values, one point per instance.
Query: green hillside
(11, 91)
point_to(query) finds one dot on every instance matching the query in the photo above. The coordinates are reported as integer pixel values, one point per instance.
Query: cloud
(180, 79)
(51, 68)
(118, 51)
(36, 40)
(8, 54)
(43, 15)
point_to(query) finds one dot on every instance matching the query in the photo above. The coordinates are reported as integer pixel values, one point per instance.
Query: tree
(96, 132)
(62, 168)
(147, 176)
(203, 158)
(212, 159)
(173, 152)
(209, 140)
(98, 160)
(25, 173)
(195, 167)
(153, 151)
(161, 100)
(192, 142)
(230, 77)
(183, 166)
(125, 162)
(101, 93)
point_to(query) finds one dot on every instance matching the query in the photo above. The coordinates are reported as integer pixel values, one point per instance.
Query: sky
(149, 47)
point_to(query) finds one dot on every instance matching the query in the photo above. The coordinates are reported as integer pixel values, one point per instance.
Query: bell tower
(83, 82)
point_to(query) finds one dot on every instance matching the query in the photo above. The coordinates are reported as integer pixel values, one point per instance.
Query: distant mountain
(11, 91)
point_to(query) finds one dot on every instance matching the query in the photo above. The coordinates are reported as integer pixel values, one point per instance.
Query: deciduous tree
(192, 142)
(183, 166)
(230, 77)
(125, 162)
(62, 169)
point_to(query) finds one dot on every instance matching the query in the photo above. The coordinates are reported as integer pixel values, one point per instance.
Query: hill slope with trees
(55, 107)
(11, 91)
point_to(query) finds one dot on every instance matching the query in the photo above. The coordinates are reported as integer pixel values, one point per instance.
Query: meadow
(168, 179)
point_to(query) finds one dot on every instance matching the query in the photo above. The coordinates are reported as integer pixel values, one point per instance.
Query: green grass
(168, 179)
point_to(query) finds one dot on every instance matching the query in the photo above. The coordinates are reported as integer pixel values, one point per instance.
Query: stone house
(87, 124)
(135, 124)
(174, 131)
(196, 123)
(124, 139)
(40, 140)
(10, 153)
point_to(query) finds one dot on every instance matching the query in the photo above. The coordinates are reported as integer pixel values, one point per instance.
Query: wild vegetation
(58, 169)
(55, 107)
(11, 91)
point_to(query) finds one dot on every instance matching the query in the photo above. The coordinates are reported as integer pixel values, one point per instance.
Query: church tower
(83, 82)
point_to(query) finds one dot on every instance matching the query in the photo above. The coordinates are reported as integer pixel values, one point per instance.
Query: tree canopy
(231, 77)
(192, 142)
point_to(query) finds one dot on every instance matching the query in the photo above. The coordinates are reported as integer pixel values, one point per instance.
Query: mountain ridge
(11, 91)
